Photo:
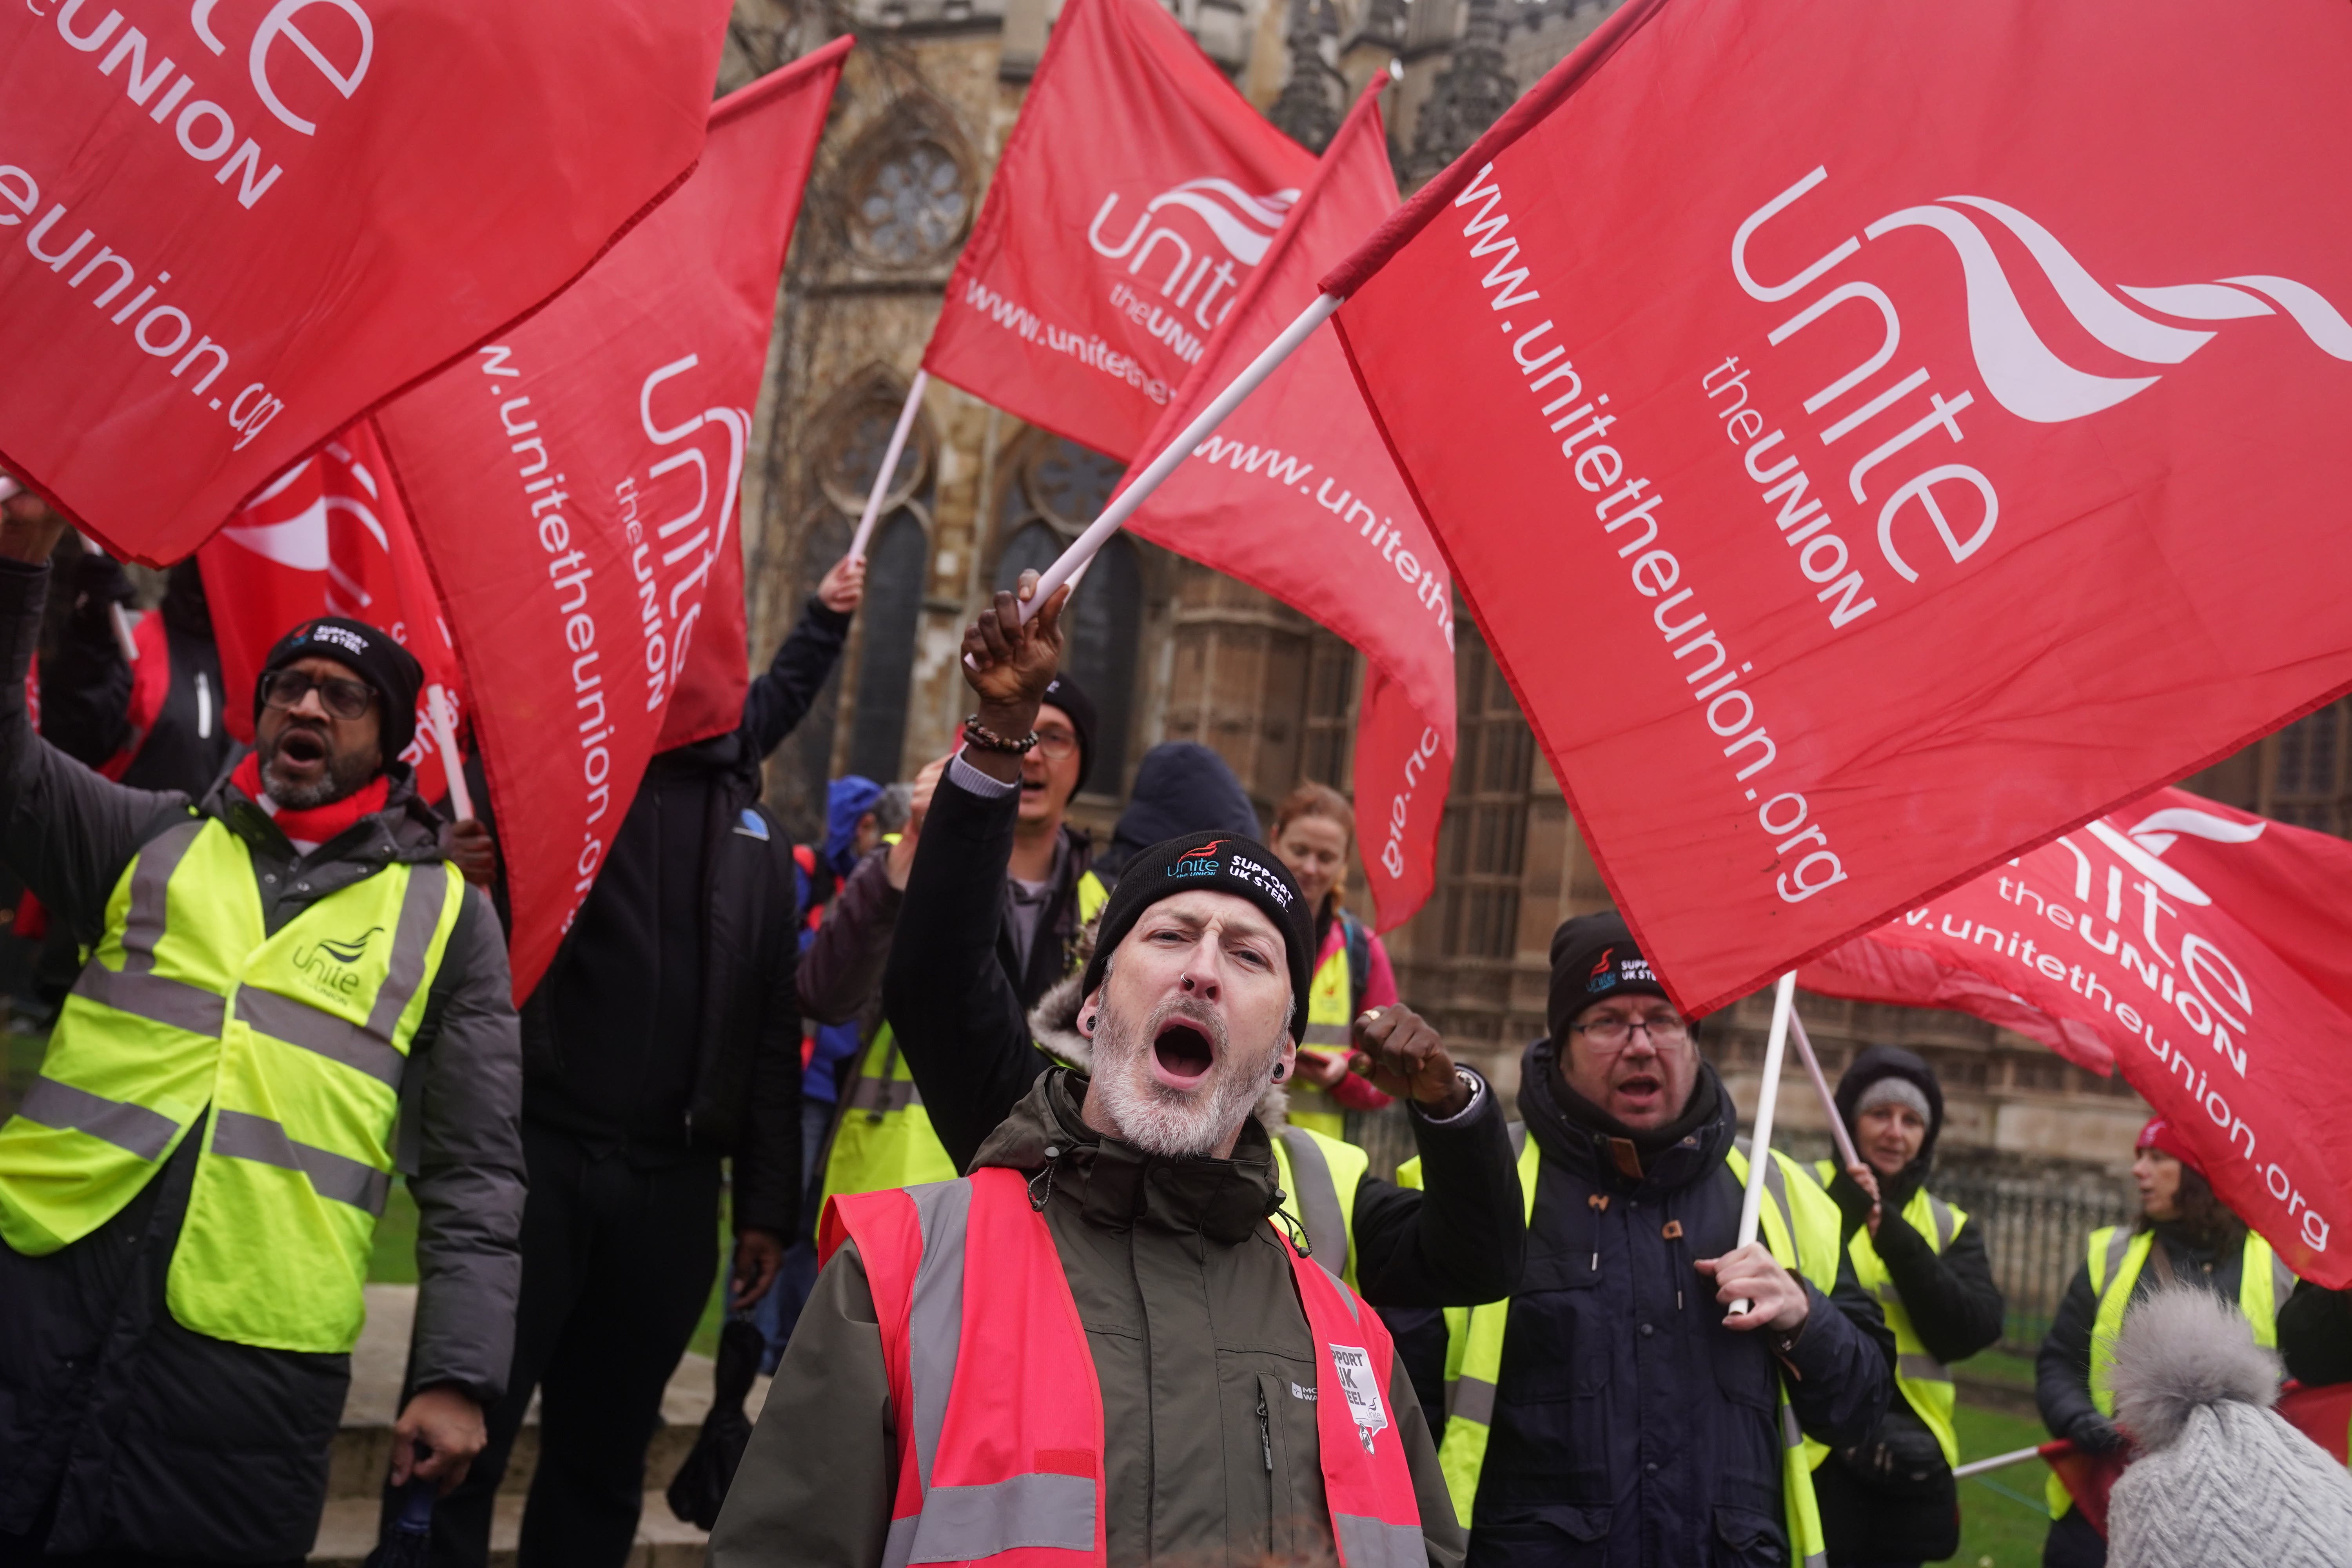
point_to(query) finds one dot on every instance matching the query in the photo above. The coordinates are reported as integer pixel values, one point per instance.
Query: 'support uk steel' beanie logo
(1609, 973)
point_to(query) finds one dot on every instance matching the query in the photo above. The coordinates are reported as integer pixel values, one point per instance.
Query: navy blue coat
(1631, 1428)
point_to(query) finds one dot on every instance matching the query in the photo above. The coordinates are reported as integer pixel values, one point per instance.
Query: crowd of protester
(1041, 1161)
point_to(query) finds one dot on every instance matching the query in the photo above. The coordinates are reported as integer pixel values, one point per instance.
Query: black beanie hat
(367, 652)
(1594, 957)
(1228, 864)
(1063, 694)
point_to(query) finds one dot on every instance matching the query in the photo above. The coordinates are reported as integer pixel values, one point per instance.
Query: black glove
(1853, 1204)
(2092, 1433)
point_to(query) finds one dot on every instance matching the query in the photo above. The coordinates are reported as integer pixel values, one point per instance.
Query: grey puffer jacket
(1199, 1345)
(153, 1439)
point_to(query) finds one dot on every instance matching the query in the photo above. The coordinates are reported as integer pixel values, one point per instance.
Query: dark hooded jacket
(667, 1026)
(1200, 1347)
(1180, 786)
(1629, 1426)
(156, 1439)
(1891, 1497)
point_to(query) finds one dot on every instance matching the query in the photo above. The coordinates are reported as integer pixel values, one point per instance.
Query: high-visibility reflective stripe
(2282, 1281)
(412, 940)
(143, 920)
(1318, 1200)
(157, 998)
(2119, 1240)
(1041, 1509)
(355, 1046)
(1329, 1035)
(1367, 1542)
(135, 988)
(1471, 1398)
(1791, 1435)
(960, 1524)
(1948, 1224)
(1921, 1369)
(130, 1127)
(883, 1094)
(935, 1314)
(332, 1175)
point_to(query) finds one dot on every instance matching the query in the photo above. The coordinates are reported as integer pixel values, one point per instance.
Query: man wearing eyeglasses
(1613, 1411)
(288, 993)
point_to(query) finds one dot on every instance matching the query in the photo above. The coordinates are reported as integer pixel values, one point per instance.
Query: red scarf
(319, 823)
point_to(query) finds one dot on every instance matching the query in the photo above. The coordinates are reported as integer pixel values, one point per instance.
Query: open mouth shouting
(1640, 1091)
(301, 754)
(1184, 1052)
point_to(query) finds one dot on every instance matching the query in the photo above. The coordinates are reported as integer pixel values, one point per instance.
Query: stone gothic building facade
(1169, 649)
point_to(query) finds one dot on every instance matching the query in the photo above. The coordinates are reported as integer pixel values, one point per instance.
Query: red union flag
(1875, 438)
(2205, 953)
(575, 486)
(227, 230)
(329, 537)
(1296, 495)
(1136, 192)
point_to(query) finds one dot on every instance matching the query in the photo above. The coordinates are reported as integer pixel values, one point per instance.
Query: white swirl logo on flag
(1239, 224)
(671, 558)
(1901, 460)
(328, 532)
(2024, 374)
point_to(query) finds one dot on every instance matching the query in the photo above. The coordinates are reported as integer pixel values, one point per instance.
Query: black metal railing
(2036, 1234)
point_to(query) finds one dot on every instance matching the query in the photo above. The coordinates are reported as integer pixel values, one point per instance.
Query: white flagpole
(1979, 1466)
(1821, 1087)
(444, 735)
(889, 465)
(1114, 517)
(1759, 1143)
(124, 639)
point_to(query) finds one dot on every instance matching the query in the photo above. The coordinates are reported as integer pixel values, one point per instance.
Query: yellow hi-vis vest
(1800, 1225)
(882, 1136)
(1924, 1381)
(298, 1041)
(2117, 1255)
(1320, 1175)
(1330, 1020)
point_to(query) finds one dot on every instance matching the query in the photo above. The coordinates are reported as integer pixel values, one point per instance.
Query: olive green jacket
(1193, 1318)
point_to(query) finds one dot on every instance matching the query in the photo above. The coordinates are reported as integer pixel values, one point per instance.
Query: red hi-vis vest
(1001, 1452)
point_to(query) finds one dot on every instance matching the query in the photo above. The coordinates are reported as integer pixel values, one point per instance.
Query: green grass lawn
(2003, 1520)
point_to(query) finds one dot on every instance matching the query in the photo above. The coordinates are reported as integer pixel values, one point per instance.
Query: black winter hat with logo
(1230, 863)
(1594, 957)
(1065, 694)
(367, 652)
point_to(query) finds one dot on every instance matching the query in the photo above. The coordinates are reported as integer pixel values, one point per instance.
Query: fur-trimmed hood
(1054, 1024)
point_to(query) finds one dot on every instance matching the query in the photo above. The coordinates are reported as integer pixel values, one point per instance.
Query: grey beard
(1169, 1123)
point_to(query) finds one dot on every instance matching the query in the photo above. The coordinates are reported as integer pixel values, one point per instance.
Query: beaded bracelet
(976, 733)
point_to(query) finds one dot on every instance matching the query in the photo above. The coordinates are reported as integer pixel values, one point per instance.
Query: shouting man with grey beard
(1102, 1340)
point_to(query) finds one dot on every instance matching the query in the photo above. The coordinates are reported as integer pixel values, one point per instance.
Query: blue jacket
(1631, 1428)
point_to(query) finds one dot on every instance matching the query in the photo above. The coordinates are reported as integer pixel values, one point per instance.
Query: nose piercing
(1188, 982)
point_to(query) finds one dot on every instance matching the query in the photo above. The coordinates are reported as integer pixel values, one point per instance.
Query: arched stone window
(1062, 487)
(877, 669)
(895, 562)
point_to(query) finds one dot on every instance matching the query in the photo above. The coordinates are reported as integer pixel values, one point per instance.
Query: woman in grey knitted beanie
(2222, 1480)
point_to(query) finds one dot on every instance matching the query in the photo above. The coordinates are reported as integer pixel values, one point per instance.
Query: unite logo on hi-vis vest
(325, 964)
